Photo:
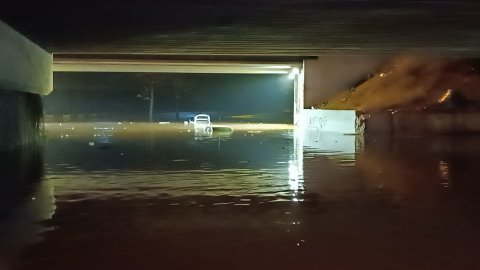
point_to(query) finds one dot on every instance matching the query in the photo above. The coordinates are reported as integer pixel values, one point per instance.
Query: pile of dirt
(416, 83)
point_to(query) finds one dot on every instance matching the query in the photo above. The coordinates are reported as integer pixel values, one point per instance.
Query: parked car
(202, 122)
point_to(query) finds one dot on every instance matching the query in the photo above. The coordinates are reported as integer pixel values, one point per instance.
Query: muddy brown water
(141, 196)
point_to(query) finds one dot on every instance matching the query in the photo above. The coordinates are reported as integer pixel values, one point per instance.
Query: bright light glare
(293, 176)
(293, 73)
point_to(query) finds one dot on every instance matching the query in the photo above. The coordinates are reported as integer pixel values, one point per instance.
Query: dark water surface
(137, 196)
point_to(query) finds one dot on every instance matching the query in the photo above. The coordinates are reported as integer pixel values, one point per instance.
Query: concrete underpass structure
(292, 67)
(27, 74)
(288, 37)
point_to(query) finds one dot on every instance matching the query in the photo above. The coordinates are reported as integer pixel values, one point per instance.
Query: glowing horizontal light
(279, 67)
(106, 65)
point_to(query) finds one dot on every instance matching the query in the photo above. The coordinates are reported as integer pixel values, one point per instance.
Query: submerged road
(161, 197)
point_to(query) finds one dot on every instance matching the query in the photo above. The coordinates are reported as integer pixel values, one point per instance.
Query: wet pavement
(160, 196)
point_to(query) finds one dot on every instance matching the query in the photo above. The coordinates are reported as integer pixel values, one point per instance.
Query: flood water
(160, 196)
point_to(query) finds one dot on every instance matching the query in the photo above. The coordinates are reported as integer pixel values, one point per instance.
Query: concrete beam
(24, 66)
(172, 66)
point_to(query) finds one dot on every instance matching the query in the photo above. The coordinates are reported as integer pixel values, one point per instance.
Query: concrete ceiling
(241, 28)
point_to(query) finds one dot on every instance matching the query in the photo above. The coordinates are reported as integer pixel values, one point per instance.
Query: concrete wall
(328, 75)
(387, 123)
(405, 123)
(25, 75)
(24, 66)
(20, 119)
(338, 121)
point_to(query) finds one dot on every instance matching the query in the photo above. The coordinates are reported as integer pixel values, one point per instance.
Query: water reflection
(160, 196)
(420, 168)
(444, 174)
(295, 166)
(16, 181)
(24, 201)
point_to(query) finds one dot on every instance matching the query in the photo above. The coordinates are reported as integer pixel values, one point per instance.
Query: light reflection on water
(172, 161)
(263, 197)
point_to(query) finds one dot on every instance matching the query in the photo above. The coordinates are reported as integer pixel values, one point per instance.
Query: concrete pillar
(298, 96)
(26, 73)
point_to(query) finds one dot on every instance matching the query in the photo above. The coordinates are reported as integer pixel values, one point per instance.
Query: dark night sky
(123, 96)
